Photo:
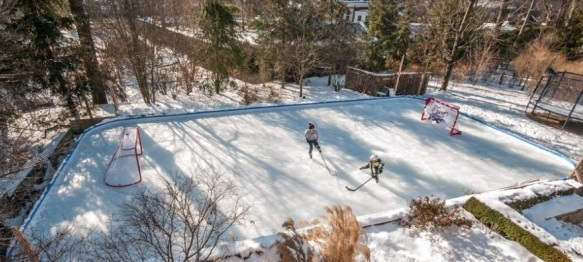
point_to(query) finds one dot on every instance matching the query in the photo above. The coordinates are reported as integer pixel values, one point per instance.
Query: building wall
(358, 11)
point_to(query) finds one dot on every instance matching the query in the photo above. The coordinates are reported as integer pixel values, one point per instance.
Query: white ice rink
(263, 150)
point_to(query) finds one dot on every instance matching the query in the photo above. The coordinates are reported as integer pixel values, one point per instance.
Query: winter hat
(374, 158)
(310, 125)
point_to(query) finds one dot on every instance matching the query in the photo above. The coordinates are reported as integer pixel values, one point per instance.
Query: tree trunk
(399, 74)
(301, 83)
(452, 59)
(283, 62)
(500, 14)
(114, 97)
(137, 53)
(447, 76)
(489, 52)
(524, 22)
(88, 52)
(565, 12)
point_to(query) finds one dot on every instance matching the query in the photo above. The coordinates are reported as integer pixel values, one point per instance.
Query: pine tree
(386, 37)
(223, 52)
(272, 27)
(571, 35)
(41, 25)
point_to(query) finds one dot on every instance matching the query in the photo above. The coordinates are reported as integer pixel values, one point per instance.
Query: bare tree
(485, 52)
(337, 49)
(524, 22)
(184, 222)
(61, 245)
(565, 11)
(451, 35)
(188, 70)
(123, 35)
(297, 36)
(304, 31)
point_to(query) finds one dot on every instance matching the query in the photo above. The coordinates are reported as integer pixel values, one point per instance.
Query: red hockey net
(124, 167)
(441, 114)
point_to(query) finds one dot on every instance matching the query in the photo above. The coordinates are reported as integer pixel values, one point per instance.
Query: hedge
(505, 227)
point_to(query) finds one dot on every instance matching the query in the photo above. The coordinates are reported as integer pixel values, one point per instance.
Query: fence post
(421, 83)
(525, 82)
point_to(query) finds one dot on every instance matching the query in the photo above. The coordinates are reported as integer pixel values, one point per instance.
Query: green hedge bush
(505, 227)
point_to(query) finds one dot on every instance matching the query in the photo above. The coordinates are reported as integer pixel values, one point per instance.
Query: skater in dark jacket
(311, 136)
(376, 166)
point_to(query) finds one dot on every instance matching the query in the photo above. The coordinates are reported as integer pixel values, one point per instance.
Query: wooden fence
(410, 83)
(79, 125)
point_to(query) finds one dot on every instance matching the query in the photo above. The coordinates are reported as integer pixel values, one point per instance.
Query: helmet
(310, 125)
(374, 158)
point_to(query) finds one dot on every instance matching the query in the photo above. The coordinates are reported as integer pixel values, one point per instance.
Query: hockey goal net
(124, 167)
(441, 114)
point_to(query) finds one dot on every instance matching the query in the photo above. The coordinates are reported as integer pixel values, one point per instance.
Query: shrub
(430, 213)
(274, 95)
(339, 241)
(293, 247)
(505, 227)
(248, 95)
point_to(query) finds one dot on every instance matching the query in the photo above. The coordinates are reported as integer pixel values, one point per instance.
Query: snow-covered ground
(262, 148)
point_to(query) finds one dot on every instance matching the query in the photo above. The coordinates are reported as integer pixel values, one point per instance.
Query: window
(347, 18)
(359, 18)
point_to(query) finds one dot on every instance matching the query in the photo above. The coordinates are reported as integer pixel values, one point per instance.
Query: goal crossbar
(442, 114)
(124, 167)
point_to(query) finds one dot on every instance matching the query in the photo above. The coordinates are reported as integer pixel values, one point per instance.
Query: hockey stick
(350, 189)
(326, 165)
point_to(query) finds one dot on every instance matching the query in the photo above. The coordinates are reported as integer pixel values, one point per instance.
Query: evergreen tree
(273, 34)
(386, 37)
(224, 51)
(49, 58)
(571, 35)
(87, 52)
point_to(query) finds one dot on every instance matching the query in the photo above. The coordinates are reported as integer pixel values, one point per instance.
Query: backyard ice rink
(263, 150)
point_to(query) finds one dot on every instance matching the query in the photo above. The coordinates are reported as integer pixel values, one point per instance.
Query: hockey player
(376, 166)
(311, 136)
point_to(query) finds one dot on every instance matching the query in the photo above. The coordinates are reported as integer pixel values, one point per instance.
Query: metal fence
(558, 96)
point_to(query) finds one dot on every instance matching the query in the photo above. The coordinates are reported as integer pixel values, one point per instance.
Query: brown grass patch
(341, 240)
(538, 55)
